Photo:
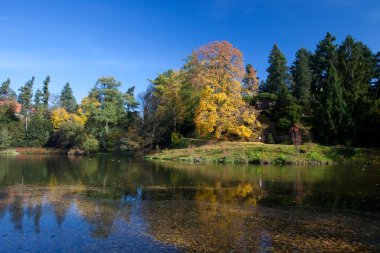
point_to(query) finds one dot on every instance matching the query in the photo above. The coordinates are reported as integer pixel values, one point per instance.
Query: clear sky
(78, 41)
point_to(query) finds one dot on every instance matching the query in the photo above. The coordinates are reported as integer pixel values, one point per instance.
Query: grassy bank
(33, 151)
(260, 153)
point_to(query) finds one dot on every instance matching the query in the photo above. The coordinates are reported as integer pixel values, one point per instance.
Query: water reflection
(113, 204)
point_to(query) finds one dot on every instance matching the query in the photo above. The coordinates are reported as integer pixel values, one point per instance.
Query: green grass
(9, 152)
(260, 153)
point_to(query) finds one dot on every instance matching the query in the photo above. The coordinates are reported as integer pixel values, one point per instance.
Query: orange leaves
(222, 111)
(221, 58)
(250, 81)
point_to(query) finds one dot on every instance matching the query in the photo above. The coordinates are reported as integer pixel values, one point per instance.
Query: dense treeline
(331, 94)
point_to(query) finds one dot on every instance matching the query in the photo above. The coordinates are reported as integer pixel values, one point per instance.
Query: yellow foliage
(241, 131)
(88, 105)
(221, 112)
(60, 115)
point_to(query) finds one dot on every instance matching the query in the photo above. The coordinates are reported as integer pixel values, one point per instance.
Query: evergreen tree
(357, 68)
(111, 100)
(46, 93)
(302, 76)
(278, 76)
(331, 110)
(5, 138)
(377, 79)
(106, 107)
(326, 50)
(5, 90)
(25, 99)
(286, 112)
(250, 81)
(328, 103)
(38, 101)
(67, 99)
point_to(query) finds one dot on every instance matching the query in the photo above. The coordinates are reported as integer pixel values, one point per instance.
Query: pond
(114, 204)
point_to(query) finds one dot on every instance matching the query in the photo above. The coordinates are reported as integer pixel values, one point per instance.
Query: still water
(113, 204)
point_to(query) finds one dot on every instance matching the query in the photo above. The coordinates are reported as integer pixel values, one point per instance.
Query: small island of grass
(200, 151)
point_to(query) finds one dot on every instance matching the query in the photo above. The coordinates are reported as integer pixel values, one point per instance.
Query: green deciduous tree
(222, 113)
(39, 131)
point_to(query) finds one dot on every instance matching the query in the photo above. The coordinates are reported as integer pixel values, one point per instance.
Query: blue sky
(78, 41)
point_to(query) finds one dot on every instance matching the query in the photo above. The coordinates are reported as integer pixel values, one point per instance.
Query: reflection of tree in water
(23, 203)
(4, 197)
(201, 227)
(246, 193)
(102, 212)
(16, 211)
(61, 201)
(211, 222)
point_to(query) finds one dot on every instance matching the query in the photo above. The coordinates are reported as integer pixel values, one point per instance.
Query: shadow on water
(56, 203)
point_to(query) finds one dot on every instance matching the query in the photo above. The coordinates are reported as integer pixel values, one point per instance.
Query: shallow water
(113, 204)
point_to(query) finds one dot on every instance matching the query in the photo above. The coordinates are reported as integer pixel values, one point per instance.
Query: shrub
(39, 132)
(176, 138)
(270, 139)
(90, 144)
(68, 135)
(5, 138)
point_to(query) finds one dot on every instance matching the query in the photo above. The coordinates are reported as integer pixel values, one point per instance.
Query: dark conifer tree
(5, 90)
(302, 77)
(46, 93)
(67, 99)
(278, 75)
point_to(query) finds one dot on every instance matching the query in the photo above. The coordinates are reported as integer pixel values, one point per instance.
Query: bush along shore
(260, 153)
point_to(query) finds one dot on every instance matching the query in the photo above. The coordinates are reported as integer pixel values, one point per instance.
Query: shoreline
(260, 153)
(201, 151)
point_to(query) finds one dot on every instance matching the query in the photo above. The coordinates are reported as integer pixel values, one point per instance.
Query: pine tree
(302, 76)
(67, 99)
(25, 99)
(5, 90)
(327, 93)
(38, 101)
(377, 79)
(357, 69)
(250, 81)
(5, 138)
(326, 50)
(331, 110)
(46, 93)
(278, 76)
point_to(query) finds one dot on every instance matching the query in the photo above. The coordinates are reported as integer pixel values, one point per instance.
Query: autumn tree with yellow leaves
(218, 69)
